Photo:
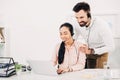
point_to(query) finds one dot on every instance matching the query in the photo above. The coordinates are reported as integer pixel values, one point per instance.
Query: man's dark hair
(82, 6)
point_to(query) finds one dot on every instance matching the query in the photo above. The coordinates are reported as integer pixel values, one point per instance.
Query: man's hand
(84, 48)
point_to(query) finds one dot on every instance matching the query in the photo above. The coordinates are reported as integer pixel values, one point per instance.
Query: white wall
(33, 24)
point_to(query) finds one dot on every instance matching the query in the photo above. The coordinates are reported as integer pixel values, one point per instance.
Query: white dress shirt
(97, 35)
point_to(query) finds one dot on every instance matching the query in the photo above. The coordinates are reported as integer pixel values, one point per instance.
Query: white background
(33, 25)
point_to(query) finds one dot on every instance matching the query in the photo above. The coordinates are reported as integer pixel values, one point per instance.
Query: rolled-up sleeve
(108, 40)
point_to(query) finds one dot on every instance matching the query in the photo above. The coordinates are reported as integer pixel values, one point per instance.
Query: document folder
(7, 67)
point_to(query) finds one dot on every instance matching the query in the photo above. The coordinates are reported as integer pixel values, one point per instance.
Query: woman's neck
(70, 42)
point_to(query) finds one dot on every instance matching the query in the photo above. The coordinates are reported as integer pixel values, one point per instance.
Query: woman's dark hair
(62, 46)
(82, 6)
(61, 53)
(69, 26)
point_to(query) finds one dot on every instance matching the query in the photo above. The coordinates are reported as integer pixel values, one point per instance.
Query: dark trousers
(96, 61)
(90, 63)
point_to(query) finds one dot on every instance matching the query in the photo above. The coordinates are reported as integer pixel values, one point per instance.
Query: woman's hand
(60, 71)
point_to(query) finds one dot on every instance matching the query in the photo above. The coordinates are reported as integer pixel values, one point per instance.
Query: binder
(7, 67)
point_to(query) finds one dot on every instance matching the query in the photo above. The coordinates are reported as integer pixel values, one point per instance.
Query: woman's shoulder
(78, 43)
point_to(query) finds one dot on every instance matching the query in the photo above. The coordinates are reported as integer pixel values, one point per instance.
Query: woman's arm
(54, 58)
(80, 63)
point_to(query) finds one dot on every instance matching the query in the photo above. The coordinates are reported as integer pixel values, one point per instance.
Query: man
(97, 35)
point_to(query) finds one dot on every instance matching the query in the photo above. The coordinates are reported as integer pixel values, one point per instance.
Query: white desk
(86, 74)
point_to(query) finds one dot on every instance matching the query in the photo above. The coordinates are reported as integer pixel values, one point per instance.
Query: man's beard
(83, 24)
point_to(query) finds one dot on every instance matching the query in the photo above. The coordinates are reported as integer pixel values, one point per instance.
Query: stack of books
(7, 69)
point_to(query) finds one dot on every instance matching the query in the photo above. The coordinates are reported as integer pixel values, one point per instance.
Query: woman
(67, 56)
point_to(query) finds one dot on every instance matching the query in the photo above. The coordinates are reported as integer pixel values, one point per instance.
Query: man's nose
(79, 20)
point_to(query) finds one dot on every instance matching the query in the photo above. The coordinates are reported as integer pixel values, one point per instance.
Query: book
(10, 73)
(5, 65)
(4, 71)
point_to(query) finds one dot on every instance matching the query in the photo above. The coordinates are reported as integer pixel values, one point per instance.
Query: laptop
(42, 67)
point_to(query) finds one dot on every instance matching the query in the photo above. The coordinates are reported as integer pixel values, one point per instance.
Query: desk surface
(86, 74)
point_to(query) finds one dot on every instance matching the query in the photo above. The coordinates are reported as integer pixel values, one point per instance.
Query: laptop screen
(42, 67)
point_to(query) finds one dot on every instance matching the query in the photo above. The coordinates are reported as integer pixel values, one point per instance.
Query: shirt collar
(91, 23)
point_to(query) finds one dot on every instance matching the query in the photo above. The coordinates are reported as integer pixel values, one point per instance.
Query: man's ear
(89, 14)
